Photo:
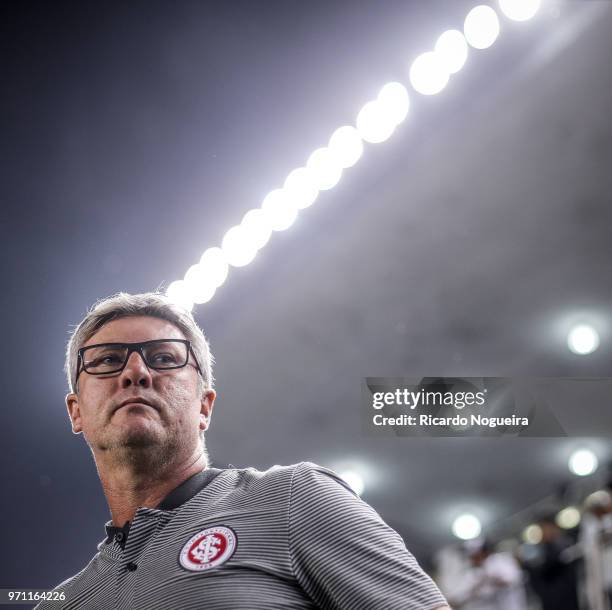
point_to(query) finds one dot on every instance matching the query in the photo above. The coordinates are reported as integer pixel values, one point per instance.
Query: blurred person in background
(551, 566)
(596, 544)
(486, 580)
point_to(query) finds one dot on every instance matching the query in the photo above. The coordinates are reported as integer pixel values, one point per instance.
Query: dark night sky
(134, 135)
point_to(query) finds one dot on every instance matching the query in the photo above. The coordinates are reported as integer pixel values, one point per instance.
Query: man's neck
(126, 490)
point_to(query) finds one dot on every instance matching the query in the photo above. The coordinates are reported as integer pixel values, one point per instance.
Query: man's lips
(135, 401)
(135, 404)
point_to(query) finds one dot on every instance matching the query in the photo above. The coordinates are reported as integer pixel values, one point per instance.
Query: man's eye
(164, 359)
(110, 359)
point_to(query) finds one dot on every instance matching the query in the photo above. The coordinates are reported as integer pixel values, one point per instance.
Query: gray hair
(155, 304)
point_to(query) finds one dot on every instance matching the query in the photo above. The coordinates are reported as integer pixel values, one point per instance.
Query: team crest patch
(208, 549)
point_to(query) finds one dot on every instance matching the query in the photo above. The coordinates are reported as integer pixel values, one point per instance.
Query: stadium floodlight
(467, 527)
(237, 248)
(583, 462)
(568, 518)
(256, 228)
(452, 50)
(199, 284)
(301, 188)
(345, 146)
(519, 10)
(374, 124)
(428, 73)
(583, 339)
(532, 534)
(215, 266)
(178, 292)
(481, 27)
(279, 211)
(325, 169)
(395, 101)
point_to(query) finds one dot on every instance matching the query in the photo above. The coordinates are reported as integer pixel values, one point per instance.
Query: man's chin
(134, 438)
(141, 441)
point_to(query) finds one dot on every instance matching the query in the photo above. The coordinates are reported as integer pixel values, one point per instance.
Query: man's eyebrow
(105, 343)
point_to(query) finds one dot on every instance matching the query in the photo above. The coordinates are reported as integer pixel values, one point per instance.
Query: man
(184, 535)
(552, 567)
(491, 581)
(596, 544)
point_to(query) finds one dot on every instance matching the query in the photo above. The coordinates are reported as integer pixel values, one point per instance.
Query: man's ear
(74, 412)
(206, 407)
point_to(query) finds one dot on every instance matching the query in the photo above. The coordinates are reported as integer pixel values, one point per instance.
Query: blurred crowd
(565, 569)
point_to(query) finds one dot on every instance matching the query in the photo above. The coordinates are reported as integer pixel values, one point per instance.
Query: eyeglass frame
(135, 347)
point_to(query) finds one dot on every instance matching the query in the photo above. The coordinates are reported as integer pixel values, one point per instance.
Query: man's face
(168, 412)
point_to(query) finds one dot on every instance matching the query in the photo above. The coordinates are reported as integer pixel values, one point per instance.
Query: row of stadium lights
(377, 120)
(429, 74)
(467, 526)
(375, 123)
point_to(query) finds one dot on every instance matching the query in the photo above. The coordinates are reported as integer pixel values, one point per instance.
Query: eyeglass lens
(111, 357)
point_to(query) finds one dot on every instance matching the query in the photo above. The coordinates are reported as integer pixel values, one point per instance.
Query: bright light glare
(236, 247)
(452, 50)
(568, 518)
(214, 266)
(301, 188)
(583, 339)
(374, 124)
(532, 534)
(256, 228)
(324, 168)
(279, 212)
(199, 284)
(583, 462)
(179, 294)
(393, 97)
(345, 146)
(428, 74)
(467, 527)
(354, 481)
(481, 27)
(519, 10)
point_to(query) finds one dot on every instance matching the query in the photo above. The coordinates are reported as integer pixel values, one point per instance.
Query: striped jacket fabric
(290, 537)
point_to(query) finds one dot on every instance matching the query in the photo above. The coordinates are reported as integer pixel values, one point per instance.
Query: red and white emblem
(208, 549)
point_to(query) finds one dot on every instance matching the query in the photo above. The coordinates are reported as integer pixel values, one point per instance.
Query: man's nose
(135, 372)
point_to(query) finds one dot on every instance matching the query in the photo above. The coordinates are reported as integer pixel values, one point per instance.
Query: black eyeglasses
(158, 354)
